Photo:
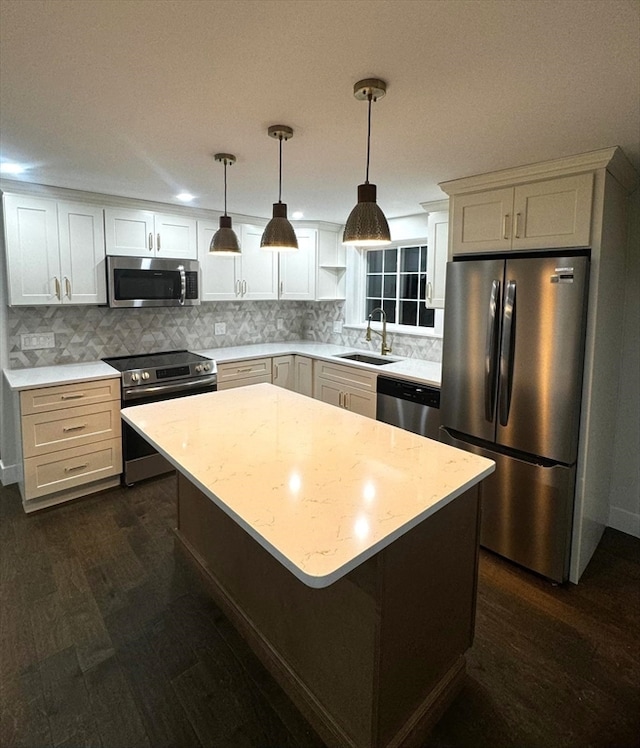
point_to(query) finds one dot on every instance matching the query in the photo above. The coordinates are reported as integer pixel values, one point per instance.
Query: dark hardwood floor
(107, 639)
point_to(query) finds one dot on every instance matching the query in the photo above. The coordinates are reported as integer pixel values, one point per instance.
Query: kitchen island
(343, 549)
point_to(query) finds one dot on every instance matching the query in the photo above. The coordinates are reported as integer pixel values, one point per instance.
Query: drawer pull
(76, 396)
(75, 428)
(76, 467)
(249, 368)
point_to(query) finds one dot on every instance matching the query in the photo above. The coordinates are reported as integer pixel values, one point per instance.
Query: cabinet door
(33, 257)
(437, 248)
(304, 375)
(482, 221)
(129, 232)
(284, 372)
(298, 269)
(220, 274)
(175, 236)
(82, 254)
(328, 392)
(360, 402)
(259, 268)
(331, 266)
(555, 213)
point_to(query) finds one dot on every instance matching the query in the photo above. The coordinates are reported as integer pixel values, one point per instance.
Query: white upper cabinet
(251, 275)
(55, 251)
(547, 214)
(298, 269)
(437, 249)
(141, 233)
(220, 275)
(332, 266)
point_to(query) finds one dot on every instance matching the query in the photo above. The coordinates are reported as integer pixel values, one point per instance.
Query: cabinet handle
(244, 287)
(57, 283)
(75, 428)
(281, 288)
(237, 288)
(158, 242)
(506, 228)
(150, 242)
(67, 285)
(76, 467)
(340, 399)
(429, 291)
(345, 401)
(518, 217)
(75, 396)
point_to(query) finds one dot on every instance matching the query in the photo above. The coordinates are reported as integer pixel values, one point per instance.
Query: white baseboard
(625, 521)
(9, 474)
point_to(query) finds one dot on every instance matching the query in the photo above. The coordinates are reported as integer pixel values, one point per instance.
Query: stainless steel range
(150, 378)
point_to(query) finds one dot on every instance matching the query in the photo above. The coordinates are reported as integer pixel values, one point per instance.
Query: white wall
(624, 496)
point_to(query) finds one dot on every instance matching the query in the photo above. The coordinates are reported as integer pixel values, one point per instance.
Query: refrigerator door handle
(491, 352)
(507, 352)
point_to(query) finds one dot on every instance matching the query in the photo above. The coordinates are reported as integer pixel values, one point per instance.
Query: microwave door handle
(490, 353)
(508, 351)
(183, 284)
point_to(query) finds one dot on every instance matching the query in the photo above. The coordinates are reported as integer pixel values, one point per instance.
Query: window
(396, 281)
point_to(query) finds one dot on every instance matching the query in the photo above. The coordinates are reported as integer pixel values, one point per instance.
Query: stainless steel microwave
(143, 281)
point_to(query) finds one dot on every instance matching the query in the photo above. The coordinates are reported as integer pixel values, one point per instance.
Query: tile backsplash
(88, 333)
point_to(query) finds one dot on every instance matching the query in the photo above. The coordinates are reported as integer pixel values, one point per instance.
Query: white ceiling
(132, 97)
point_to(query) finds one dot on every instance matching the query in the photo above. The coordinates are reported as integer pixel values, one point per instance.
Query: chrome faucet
(384, 348)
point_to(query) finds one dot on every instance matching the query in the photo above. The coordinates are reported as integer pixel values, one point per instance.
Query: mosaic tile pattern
(88, 333)
(318, 327)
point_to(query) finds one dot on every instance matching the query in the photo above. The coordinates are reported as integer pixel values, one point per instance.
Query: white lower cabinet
(294, 373)
(304, 375)
(242, 373)
(284, 372)
(346, 387)
(71, 441)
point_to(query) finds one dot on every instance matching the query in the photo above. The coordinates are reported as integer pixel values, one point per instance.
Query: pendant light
(367, 225)
(279, 235)
(225, 241)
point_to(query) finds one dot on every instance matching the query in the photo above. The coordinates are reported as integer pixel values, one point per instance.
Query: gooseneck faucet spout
(384, 348)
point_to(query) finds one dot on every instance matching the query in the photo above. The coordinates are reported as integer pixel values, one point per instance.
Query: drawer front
(43, 433)
(231, 383)
(44, 399)
(257, 370)
(347, 375)
(59, 471)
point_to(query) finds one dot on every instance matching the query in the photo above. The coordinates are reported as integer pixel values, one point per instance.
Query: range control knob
(198, 368)
(135, 377)
(145, 375)
(206, 367)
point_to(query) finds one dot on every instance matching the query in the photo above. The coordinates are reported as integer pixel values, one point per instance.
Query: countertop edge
(50, 376)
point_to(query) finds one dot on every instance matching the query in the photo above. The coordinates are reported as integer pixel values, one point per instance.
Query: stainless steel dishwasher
(409, 405)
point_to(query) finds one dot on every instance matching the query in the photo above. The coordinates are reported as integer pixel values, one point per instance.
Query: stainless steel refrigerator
(513, 352)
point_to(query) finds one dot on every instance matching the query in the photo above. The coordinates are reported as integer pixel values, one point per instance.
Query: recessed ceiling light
(297, 215)
(11, 168)
(186, 197)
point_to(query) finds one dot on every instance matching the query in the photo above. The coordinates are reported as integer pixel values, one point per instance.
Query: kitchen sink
(366, 358)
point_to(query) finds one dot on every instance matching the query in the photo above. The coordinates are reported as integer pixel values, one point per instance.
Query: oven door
(140, 459)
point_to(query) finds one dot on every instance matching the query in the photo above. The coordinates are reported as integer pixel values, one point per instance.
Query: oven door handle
(136, 393)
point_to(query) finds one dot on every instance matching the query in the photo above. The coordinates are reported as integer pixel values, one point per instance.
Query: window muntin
(396, 281)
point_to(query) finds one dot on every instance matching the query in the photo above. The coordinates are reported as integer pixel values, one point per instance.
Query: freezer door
(541, 356)
(470, 346)
(526, 511)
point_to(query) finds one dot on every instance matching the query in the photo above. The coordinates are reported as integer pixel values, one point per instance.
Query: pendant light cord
(369, 98)
(225, 186)
(280, 172)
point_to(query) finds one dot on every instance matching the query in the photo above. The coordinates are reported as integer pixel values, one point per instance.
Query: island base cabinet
(373, 659)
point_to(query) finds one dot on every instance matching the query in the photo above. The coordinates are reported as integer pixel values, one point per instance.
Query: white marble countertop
(321, 488)
(47, 376)
(413, 369)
